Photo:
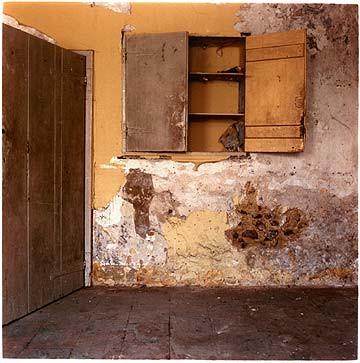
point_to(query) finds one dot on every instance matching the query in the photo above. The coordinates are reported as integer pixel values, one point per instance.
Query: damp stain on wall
(139, 191)
(262, 226)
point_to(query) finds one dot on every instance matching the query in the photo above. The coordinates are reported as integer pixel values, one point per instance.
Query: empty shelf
(215, 115)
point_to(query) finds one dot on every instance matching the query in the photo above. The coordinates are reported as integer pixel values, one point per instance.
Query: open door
(156, 91)
(275, 92)
(43, 172)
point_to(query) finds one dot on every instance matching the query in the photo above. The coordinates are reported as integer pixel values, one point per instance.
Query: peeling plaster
(189, 215)
(9, 20)
(281, 17)
(128, 28)
(139, 191)
(193, 205)
(259, 225)
(117, 7)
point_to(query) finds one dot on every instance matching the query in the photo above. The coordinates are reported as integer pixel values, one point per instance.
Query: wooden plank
(156, 94)
(14, 216)
(276, 39)
(275, 92)
(57, 167)
(286, 51)
(44, 254)
(274, 145)
(73, 171)
(219, 76)
(214, 40)
(274, 132)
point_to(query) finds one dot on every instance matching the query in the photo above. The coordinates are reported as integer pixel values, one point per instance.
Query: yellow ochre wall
(81, 26)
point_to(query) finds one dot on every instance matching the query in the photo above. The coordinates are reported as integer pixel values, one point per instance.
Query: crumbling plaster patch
(192, 208)
(191, 211)
(115, 6)
(9, 20)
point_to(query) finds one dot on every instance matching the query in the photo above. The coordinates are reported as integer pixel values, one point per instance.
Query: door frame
(89, 54)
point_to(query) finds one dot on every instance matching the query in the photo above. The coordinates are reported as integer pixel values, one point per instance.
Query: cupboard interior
(216, 90)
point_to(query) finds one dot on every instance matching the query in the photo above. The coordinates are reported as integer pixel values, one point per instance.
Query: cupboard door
(275, 92)
(14, 193)
(156, 92)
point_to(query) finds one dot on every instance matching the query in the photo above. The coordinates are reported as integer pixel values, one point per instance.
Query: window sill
(195, 157)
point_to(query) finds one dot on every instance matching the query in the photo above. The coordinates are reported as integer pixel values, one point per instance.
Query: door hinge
(85, 80)
(27, 147)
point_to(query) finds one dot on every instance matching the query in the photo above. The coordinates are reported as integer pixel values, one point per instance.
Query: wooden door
(14, 213)
(275, 92)
(43, 172)
(156, 92)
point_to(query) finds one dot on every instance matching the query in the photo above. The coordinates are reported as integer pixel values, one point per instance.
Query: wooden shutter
(275, 92)
(156, 93)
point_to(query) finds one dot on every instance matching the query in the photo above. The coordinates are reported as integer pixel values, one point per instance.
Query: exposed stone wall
(263, 220)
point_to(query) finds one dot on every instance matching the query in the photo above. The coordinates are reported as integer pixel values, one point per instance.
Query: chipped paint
(128, 28)
(9, 20)
(139, 191)
(190, 213)
(259, 225)
(107, 166)
(115, 6)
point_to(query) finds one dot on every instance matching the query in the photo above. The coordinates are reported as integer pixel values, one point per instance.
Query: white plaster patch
(128, 28)
(107, 166)
(9, 20)
(212, 183)
(116, 239)
(111, 215)
(117, 7)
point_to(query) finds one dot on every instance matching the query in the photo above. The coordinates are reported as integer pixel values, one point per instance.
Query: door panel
(73, 180)
(14, 217)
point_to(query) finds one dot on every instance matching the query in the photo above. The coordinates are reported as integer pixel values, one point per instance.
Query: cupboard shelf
(219, 76)
(203, 115)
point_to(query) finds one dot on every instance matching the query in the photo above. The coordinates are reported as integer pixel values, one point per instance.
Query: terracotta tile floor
(163, 323)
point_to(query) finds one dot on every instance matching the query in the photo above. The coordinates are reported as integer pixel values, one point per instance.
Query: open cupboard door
(275, 92)
(156, 92)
